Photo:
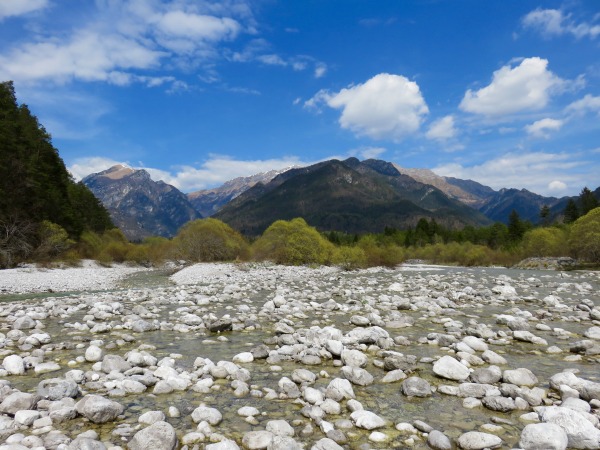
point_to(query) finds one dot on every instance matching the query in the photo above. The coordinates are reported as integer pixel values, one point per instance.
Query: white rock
(449, 368)
(543, 436)
(367, 420)
(14, 365)
(475, 440)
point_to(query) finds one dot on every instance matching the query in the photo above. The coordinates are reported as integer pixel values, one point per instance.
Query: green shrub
(550, 241)
(349, 258)
(209, 240)
(584, 238)
(293, 243)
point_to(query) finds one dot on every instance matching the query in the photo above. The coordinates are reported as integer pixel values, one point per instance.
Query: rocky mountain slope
(209, 201)
(350, 196)
(139, 206)
(495, 205)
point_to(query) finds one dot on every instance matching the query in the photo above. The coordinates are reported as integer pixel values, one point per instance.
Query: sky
(199, 92)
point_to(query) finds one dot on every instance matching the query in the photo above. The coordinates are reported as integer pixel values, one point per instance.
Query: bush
(209, 240)
(53, 240)
(380, 253)
(349, 258)
(293, 243)
(585, 237)
(551, 241)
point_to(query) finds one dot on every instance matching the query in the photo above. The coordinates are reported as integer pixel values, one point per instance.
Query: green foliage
(34, 183)
(540, 242)
(378, 252)
(587, 201)
(209, 240)
(585, 237)
(545, 215)
(571, 212)
(53, 240)
(349, 258)
(293, 242)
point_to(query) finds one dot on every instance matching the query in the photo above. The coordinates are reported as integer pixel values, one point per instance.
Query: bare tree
(16, 240)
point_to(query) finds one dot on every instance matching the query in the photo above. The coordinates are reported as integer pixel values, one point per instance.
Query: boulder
(205, 413)
(57, 389)
(451, 369)
(367, 420)
(98, 409)
(18, 401)
(581, 432)
(475, 440)
(158, 436)
(357, 376)
(543, 436)
(416, 387)
(14, 365)
(520, 377)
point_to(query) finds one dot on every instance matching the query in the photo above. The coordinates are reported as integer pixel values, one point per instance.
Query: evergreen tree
(35, 185)
(516, 227)
(571, 212)
(587, 201)
(545, 215)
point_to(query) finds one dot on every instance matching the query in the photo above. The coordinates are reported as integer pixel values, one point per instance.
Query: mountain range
(350, 196)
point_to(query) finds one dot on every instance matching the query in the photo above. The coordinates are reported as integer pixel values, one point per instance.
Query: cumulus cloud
(553, 22)
(557, 186)
(13, 8)
(123, 39)
(525, 87)
(533, 171)
(213, 172)
(82, 167)
(442, 129)
(385, 107)
(540, 128)
(589, 103)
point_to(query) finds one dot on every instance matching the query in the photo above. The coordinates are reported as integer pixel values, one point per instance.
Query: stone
(14, 365)
(486, 375)
(24, 323)
(93, 353)
(354, 358)
(499, 403)
(18, 401)
(357, 376)
(98, 409)
(416, 387)
(57, 389)
(205, 413)
(475, 440)
(257, 440)
(339, 389)
(220, 325)
(26, 417)
(248, 411)
(581, 432)
(438, 441)
(592, 333)
(225, 444)
(303, 376)
(543, 436)
(151, 417)
(393, 376)
(46, 367)
(451, 369)
(158, 436)
(116, 363)
(367, 420)
(280, 428)
(326, 444)
(83, 443)
(520, 377)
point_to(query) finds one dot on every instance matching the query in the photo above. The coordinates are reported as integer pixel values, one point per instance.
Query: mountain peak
(117, 172)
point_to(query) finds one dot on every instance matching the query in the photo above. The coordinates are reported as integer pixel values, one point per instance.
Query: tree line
(42, 209)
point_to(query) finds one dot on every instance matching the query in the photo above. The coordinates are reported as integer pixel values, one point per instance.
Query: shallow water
(359, 291)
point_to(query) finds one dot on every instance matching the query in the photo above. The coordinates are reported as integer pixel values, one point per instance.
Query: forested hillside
(37, 194)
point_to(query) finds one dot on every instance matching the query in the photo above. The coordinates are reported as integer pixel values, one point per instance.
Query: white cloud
(320, 70)
(123, 40)
(540, 128)
(366, 152)
(533, 171)
(13, 8)
(526, 87)
(553, 22)
(198, 26)
(385, 107)
(557, 186)
(589, 103)
(442, 129)
(213, 172)
(83, 167)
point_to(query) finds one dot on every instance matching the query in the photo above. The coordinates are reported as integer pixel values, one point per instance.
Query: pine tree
(545, 215)
(516, 227)
(587, 201)
(571, 212)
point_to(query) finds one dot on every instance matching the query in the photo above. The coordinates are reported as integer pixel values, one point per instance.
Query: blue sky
(199, 92)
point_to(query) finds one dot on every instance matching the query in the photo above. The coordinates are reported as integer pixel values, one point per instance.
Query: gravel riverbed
(256, 356)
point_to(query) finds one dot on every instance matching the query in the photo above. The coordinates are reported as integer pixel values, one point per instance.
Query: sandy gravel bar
(90, 276)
